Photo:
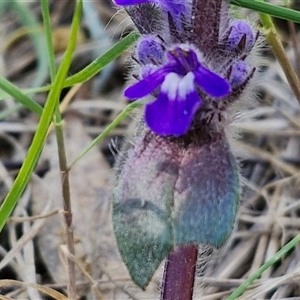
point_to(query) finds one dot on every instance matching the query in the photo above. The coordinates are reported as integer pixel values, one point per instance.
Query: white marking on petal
(177, 87)
(186, 85)
(170, 85)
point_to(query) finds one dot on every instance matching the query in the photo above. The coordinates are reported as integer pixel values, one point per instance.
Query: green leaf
(143, 236)
(270, 9)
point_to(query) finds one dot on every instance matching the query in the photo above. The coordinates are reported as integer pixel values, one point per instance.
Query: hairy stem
(179, 274)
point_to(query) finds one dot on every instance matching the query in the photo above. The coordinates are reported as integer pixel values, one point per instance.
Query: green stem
(62, 156)
(279, 52)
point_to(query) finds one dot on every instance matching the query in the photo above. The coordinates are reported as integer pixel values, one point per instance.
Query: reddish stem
(179, 274)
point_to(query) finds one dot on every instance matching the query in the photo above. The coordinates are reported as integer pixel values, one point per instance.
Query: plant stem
(179, 274)
(279, 52)
(63, 166)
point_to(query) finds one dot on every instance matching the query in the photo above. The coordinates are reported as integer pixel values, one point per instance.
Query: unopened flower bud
(150, 51)
(239, 73)
(241, 36)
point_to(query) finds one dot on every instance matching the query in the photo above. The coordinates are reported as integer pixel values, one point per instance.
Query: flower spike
(178, 182)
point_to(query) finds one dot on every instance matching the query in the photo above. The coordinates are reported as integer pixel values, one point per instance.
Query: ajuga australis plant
(179, 184)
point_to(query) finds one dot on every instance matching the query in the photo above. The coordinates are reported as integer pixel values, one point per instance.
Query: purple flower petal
(130, 2)
(174, 116)
(211, 83)
(176, 8)
(146, 85)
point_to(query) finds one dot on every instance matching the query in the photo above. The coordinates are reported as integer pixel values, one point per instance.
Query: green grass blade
(28, 20)
(123, 114)
(283, 251)
(6, 94)
(98, 64)
(83, 75)
(39, 138)
(47, 26)
(270, 9)
(17, 94)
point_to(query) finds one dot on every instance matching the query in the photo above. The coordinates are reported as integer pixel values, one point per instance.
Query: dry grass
(32, 246)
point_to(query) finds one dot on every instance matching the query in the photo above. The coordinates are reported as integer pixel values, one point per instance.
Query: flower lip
(176, 83)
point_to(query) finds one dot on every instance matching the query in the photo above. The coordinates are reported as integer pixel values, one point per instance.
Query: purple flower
(176, 85)
(178, 183)
(177, 8)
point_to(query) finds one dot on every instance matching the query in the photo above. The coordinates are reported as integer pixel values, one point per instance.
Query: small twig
(30, 234)
(272, 159)
(93, 282)
(33, 218)
(179, 275)
(106, 273)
